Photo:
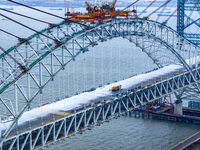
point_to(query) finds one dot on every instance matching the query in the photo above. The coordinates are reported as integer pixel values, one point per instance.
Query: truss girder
(99, 112)
(44, 59)
(183, 28)
(190, 22)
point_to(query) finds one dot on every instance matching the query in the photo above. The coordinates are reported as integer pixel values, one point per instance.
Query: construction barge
(170, 112)
(174, 112)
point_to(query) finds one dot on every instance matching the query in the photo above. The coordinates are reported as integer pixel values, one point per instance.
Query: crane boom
(97, 12)
(113, 3)
(88, 4)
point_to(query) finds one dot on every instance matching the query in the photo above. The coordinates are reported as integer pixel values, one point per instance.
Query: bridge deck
(136, 83)
(73, 119)
(43, 120)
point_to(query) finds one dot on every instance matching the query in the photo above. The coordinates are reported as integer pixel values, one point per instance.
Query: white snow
(87, 97)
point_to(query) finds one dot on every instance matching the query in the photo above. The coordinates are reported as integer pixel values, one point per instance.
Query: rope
(24, 16)
(158, 8)
(27, 27)
(9, 33)
(87, 27)
(130, 5)
(146, 8)
(161, 13)
(171, 16)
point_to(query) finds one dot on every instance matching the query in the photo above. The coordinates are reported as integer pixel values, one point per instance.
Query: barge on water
(166, 112)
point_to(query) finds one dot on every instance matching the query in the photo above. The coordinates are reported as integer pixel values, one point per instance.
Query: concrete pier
(178, 108)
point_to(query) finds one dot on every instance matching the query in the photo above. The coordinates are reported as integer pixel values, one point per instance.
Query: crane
(99, 13)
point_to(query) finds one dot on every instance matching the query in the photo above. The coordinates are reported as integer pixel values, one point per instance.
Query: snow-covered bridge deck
(49, 123)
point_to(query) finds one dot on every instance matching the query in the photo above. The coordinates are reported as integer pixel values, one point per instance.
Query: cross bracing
(44, 58)
(184, 27)
(68, 123)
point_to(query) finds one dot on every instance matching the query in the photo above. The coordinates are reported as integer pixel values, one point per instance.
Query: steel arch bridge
(43, 58)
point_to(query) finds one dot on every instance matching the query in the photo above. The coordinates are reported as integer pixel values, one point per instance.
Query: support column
(75, 130)
(94, 117)
(180, 16)
(127, 105)
(30, 141)
(43, 144)
(103, 113)
(17, 143)
(16, 105)
(85, 119)
(119, 107)
(178, 109)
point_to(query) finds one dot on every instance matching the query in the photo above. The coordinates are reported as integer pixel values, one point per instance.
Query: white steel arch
(161, 43)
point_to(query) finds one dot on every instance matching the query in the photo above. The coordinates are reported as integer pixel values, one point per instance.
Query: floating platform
(190, 115)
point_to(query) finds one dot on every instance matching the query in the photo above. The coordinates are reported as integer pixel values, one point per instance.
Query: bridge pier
(142, 115)
(130, 114)
(137, 114)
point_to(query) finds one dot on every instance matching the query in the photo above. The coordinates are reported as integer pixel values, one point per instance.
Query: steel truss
(182, 7)
(43, 58)
(101, 111)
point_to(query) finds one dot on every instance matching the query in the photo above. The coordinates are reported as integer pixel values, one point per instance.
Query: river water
(127, 133)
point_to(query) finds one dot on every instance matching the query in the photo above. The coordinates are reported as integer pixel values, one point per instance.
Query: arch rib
(116, 31)
(181, 60)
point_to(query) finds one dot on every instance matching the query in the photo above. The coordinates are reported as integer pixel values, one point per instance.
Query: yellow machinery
(116, 88)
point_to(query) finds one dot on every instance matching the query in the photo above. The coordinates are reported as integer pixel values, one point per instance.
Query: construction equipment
(99, 13)
(116, 88)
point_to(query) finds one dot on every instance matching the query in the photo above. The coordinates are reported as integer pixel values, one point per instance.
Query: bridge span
(52, 122)
(174, 55)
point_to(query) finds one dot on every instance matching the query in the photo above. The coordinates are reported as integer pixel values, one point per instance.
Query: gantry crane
(99, 13)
